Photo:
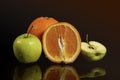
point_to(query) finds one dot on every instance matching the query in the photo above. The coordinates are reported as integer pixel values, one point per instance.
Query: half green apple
(93, 50)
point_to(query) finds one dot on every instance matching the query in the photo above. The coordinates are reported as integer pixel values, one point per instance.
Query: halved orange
(61, 43)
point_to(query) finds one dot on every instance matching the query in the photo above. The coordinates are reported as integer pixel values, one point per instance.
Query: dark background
(99, 19)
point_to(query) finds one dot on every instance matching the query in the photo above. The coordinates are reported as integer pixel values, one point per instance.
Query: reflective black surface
(99, 19)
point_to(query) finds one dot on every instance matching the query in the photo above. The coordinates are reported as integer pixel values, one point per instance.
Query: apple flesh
(27, 48)
(93, 51)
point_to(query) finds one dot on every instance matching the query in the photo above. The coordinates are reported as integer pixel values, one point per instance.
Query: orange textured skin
(39, 25)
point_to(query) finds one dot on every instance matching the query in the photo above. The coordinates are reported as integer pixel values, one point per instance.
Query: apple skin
(93, 50)
(27, 48)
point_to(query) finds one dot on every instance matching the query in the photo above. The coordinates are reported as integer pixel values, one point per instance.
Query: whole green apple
(93, 50)
(27, 48)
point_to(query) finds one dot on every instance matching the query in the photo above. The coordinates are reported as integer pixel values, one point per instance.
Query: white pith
(61, 44)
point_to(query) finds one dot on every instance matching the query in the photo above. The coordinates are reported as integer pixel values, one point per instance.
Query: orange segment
(62, 43)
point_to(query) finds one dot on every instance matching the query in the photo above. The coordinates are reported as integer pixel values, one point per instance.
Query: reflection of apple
(61, 73)
(27, 48)
(96, 72)
(27, 72)
(93, 50)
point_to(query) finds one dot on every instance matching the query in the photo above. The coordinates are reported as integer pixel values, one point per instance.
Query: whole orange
(39, 25)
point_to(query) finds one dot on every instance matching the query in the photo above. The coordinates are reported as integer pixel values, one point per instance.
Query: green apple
(27, 48)
(93, 50)
(27, 72)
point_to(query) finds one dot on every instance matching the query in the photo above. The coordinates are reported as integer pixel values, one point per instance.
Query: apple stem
(87, 38)
(29, 31)
(88, 42)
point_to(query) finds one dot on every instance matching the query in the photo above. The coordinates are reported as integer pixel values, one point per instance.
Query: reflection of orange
(61, 73)
(62, 43)
(40, 24)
